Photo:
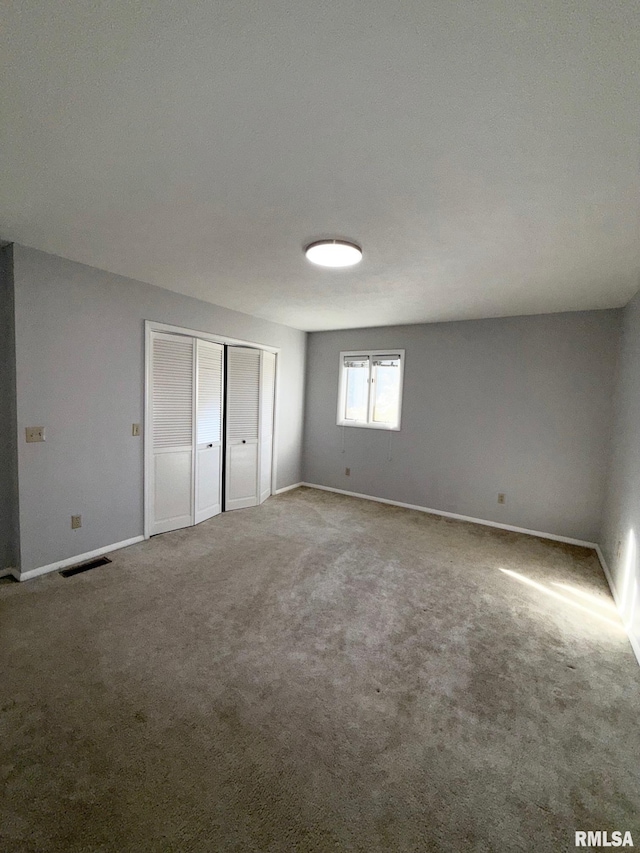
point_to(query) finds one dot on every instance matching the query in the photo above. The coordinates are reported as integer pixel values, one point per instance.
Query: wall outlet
(501, 498)
(347, 472)
(76, 522)
(35, 433)
(135, 429)
(618, 547)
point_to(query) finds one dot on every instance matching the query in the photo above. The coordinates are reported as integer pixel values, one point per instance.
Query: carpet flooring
(320, 673)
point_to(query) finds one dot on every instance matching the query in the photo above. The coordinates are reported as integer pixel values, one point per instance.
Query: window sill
(362, 425)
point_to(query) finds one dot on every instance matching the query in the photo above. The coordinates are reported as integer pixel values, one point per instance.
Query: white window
(370, 390)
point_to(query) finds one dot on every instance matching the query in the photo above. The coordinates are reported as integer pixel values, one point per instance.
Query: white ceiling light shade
(333, 253)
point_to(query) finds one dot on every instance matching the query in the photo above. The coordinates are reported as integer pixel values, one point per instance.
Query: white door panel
(172, 432)
(172, 490)
(265, 469)
(208, 477)
(243, 408)
(208, 474)
(243, 462)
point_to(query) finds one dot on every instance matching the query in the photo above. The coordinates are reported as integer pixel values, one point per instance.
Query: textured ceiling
(483, 152)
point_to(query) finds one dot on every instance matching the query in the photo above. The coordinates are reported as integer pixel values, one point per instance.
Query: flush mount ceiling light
(333, 253)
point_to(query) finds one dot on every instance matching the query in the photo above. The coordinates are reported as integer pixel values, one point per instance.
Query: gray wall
(80, 373)
(620, 540)
(9, 538)
(519, 405)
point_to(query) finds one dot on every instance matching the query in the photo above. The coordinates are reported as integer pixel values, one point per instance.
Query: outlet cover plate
(34, 433)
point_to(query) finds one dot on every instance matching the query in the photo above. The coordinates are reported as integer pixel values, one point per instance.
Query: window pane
(386, 390)
(357, 383)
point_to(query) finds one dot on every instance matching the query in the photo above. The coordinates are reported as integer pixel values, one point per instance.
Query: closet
(210, 410)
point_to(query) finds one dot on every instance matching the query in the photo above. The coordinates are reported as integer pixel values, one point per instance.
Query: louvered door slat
(209, 423)
(172, 431)
(267, 397)
(243, 378)
(172, 392)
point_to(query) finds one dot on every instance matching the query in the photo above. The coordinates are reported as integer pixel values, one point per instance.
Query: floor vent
(84, 567)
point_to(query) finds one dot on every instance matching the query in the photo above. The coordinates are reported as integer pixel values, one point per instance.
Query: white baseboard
(4, 573)
(607, 574)
(79, 558)
(635, 645)
(289, 488)
(458, 517)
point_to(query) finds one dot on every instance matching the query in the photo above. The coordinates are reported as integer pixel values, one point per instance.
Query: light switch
(135, 429)
(35, 433)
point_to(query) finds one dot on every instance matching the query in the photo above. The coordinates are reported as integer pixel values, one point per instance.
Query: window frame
(342, 389)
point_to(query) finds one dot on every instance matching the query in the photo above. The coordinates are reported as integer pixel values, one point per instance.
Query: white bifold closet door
(171, 471)
(243, 416)
(267, 404)
(188, 437)
(186, 394)
(208, 468)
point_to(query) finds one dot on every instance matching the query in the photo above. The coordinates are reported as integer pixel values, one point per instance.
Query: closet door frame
(147, 437)
(261, 421)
